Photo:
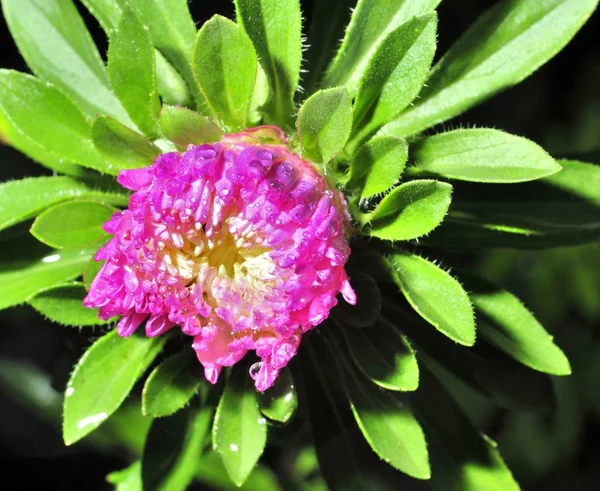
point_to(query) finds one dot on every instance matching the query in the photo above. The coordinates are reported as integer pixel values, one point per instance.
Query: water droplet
(95, 420)
(255, 368)
(69, 391)
(233, 447)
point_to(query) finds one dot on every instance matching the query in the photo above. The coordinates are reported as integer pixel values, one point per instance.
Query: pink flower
(241, 243)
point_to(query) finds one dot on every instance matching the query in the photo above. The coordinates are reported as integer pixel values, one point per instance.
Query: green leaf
(563, 209)
(106, 12)
(435, 295)
(345, 460)
(73, 224)
(387, 423)
(173, 32)
(505, 381)
(239, 432)
(183, 127)
(102, 379)
(170, 386)
(327, 27)
(43, 192)
(132, 72)
(377, 165)
(171, 87)
(324, 124)
(225, 66)
(48, 117)
(172, 450)
(274, 26)
(368, 302)
(128, 479)
(121, 147)
(505, 45)
(371, 22)
(24, 275)
(56, 45)
(482, 155)
(411, 210)
(64, 305)
(384, 355)
(461, 458)
(505, 322)
(395, 74)
(279, 402)
(16, 138)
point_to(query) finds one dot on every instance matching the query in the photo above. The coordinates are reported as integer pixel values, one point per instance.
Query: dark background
(558, 107)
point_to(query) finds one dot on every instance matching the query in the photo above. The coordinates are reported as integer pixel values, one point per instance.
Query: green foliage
(132, 72)
(229, 83)
(377, 166)
(411, 210)
(54, 41)
(435, 295)
(170, 386)
(483, 155)
(121, 147)
(384, 355)
(324, 124)
(395, 74)
(46, 116)
(102, 379)
(172, 448)
(33, 269)
(64, 305)
(239, 431)
(274, 26)
(371, 22)
(85, 219)
(184, 127)
(508, 43)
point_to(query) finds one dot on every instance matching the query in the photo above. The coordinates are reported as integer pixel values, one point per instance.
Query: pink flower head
(241, 243)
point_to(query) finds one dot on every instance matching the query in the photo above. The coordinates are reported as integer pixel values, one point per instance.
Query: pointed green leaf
(371, 22)
(368, 302)
(435, 295)
(129, 479)
(106, 12)
(47, 116)
(395, 74)
(279, 402)
(387, 422)
(64, 305)
(102, 379)
(170, 386)
(384, 355)
(324, 124)
(483, 155)
(240, 431)
(54, 41)
(33, 270)
(132, 72)
(43, 192)
(505, 322)
(121, 147)
(173, 33)
(225, 67)
(184, 127)
(73, 224)
(505, 381)
(274, 26)
(377, 165)
(563, 209)
(508, 43)
(411, 210)
(461, 458)
(328, 24)
(16, 138)
(172, 450)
